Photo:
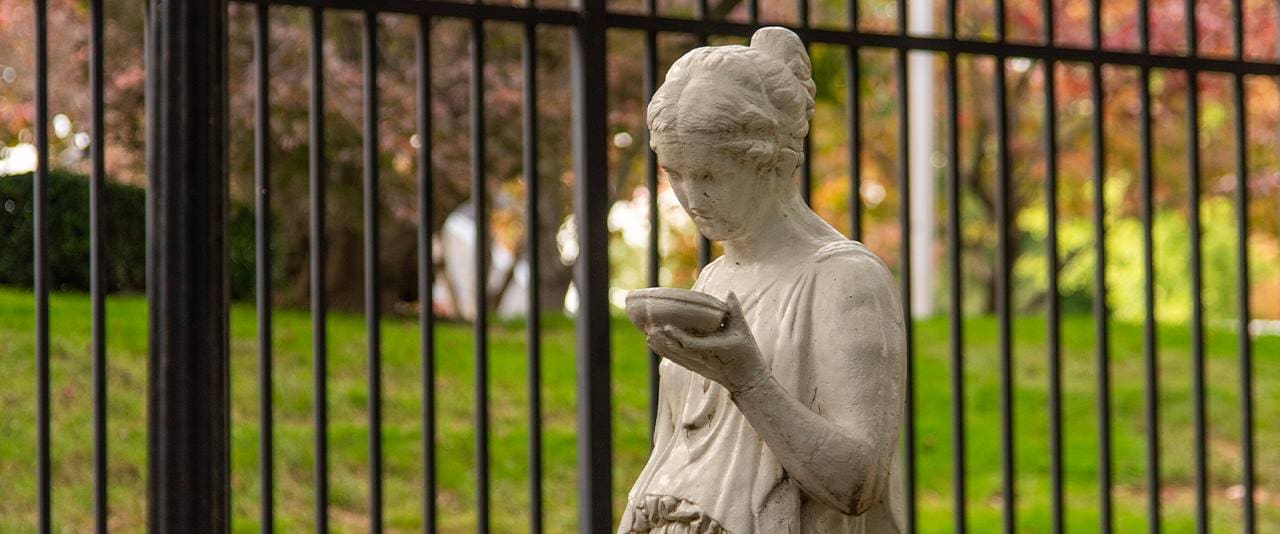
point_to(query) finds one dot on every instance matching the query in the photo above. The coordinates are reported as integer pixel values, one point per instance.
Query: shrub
(125, 236)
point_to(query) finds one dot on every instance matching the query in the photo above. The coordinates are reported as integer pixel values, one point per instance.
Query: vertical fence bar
(1100, 309)
(534, 327)
(651, 183)
(1245, 347)
(955, 252)
(319, 347)
(1245, 343)
(188, 412)
(426, 275)
(806, 163)
(955, 315)
(1149, 356)
(1053, 334)
(904, 224)
(1004, 258)
(151, 62)
(591, 272)
(40, 276)
(1197, 321)
(1008, 504)
(97, 287)
(262, 258)
(372, 285)
(1001, 21)
(1053, 329)
(1150, 361)
(1197, 305)
(478, 201)
(853, 100)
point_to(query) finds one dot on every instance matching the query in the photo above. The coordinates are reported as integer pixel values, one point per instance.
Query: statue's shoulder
(846, 267)
(853, 276)
(847, 254)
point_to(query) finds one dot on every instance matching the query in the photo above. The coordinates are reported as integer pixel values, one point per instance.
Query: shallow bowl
(695, 312)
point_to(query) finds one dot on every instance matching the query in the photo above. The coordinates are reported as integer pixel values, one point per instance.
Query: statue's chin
(717, 234)
(721, 229)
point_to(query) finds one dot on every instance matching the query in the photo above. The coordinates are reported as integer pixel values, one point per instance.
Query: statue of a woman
(784, 417)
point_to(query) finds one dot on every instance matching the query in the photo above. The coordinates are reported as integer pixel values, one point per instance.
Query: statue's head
(728, 126)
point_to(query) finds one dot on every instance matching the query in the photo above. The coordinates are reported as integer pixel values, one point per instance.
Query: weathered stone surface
(786, 417)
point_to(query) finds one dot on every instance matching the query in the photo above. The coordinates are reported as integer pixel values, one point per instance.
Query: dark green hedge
(125, 238)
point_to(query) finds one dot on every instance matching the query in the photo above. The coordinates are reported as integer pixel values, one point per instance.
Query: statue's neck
(786, 232)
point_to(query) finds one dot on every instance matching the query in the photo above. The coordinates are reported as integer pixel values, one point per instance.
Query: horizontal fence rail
(189, 406)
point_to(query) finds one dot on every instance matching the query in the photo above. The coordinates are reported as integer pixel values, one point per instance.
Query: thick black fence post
(187, 416)
(591, 273)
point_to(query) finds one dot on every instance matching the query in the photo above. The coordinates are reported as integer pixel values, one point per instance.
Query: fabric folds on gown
(710, 472)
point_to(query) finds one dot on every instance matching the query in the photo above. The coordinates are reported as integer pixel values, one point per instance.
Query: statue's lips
(655, 307)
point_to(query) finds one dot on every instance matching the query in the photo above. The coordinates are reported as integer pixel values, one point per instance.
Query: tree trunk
(553, 275)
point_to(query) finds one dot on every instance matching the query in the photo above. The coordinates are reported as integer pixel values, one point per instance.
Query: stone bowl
(655, 307)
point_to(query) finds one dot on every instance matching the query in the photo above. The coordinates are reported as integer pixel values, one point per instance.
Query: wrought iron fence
(188, 418)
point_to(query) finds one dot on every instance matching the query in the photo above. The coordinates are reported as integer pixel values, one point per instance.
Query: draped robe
(710, 472)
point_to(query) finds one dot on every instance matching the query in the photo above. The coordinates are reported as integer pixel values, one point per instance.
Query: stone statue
(782, 385)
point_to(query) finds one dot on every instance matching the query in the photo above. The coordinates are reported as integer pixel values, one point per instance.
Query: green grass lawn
(72, 431)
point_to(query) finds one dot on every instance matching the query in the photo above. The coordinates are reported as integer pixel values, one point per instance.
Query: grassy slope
(402, 417)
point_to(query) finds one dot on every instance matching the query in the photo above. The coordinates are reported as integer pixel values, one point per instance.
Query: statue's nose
(698, 199)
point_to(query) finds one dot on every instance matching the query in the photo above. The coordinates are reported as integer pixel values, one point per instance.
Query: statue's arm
(840, 451)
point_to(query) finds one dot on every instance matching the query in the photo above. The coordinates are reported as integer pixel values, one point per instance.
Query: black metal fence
(188, 400)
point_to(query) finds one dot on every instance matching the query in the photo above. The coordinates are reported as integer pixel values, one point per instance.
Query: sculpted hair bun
(785, 46)
(762, 94)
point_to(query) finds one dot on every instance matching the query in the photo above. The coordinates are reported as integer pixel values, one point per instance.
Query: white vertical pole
(920, 103)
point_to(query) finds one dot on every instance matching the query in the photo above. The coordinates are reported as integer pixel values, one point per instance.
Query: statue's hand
(728, 356)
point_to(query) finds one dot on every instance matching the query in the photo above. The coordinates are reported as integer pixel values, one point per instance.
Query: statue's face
(722, 189)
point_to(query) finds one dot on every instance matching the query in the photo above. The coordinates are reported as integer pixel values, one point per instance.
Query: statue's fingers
(657, 341)
(663, 343)
(678, 335)
(737, 318)
(660, 338)
(708, 343)
(669, 352)
(668, 344)
(735, 307)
